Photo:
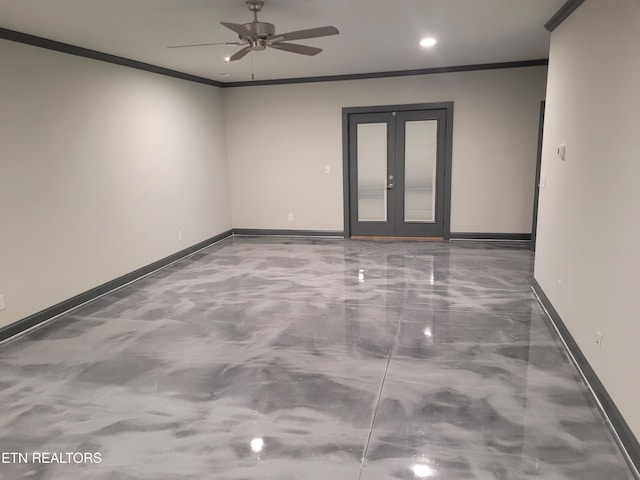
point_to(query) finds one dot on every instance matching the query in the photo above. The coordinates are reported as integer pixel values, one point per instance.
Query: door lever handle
(390, 186)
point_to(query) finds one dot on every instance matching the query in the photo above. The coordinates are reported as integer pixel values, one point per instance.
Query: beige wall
(100, 166)
(587, 256)
(280, 137)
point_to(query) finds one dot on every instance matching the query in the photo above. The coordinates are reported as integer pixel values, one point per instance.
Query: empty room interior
(338, 239)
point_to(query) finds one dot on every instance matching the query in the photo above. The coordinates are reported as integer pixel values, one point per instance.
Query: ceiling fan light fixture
(428, 42)
(227, 59)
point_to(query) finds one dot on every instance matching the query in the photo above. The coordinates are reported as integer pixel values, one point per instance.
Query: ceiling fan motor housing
(260, 29)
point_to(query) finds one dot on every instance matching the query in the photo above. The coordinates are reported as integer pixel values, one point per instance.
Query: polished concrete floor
(304, 359)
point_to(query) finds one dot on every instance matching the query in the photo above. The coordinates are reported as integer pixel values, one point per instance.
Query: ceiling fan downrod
(260, 30)
(255, 6)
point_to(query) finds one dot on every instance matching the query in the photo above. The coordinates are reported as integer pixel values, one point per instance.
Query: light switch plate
(562, 151)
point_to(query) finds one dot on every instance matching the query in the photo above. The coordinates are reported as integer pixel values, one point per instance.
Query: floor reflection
(274, 358)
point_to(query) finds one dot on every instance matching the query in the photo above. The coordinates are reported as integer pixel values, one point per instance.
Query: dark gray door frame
(347, 111)
(536, 191)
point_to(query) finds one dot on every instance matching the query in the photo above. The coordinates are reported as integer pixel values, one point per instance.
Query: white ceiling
(375, 35)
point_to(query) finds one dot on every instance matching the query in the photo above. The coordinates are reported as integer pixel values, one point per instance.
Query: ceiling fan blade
(296, 48)
(308, 33)
(239, 29)
(205, 44)
(240, 53)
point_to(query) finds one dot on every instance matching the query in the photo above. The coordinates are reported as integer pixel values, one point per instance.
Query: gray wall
(100, 166)
(587, 255)
(280, 137)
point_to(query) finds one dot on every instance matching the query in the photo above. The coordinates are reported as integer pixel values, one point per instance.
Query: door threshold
(398, 239)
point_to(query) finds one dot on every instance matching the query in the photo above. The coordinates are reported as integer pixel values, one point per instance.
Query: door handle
(390, 186)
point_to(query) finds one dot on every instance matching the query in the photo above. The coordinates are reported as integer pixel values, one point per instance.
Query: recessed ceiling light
(428, 42)
(225, 74)
(227, 59)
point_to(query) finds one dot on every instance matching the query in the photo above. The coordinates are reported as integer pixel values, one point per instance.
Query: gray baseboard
(55, 310)
(267, 232)
(622, 433)
(490, 236)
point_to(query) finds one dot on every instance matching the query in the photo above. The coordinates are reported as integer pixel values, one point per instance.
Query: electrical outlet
(543, 181)
(290, 217)
(2, 305)
(598, 341)
(179, 235)
(327, 169)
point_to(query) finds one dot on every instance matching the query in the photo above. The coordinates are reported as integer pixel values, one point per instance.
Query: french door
(397, 173)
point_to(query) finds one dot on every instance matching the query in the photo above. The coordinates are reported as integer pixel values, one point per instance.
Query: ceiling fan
(256, 36)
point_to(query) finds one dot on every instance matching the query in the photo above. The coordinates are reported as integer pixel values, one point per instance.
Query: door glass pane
(420, 142)
(372, 172)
